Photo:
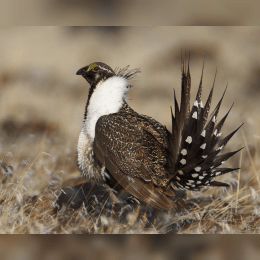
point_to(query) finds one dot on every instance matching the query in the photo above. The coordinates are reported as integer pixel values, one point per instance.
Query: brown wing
(133, 157)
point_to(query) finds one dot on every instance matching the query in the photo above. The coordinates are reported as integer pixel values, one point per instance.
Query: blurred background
(42, 105)
(41, 93)
(130, 13)
(99, 247)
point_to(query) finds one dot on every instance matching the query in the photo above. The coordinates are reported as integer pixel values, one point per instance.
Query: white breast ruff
(106, 99)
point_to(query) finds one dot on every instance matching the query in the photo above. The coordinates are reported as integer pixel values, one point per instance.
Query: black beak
(80, 71)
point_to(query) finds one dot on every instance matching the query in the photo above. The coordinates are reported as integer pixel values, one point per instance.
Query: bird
(128, 151)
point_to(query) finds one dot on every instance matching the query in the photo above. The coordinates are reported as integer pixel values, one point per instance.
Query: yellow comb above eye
(93, 66)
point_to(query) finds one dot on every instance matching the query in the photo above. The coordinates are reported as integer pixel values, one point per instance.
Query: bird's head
(96, 72)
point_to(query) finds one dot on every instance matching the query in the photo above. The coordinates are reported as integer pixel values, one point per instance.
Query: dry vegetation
(42, 104)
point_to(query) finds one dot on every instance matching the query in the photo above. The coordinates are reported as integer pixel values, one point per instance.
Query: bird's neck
(106, 98)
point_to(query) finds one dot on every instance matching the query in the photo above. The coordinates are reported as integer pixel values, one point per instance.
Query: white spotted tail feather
(195, 140)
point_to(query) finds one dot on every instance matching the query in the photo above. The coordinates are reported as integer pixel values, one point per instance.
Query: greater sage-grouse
(133, 152)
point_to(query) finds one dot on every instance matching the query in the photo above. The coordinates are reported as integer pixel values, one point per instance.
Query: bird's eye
(96, 68)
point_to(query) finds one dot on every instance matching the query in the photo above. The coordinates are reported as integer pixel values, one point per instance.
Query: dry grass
(29, 192)
(42, 110)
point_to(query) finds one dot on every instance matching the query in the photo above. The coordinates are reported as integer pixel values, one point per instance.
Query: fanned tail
(195, 140)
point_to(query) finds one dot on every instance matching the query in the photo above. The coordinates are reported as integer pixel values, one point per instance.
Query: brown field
(42, 105)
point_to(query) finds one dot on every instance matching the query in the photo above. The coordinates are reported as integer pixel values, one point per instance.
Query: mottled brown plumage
(136, 156)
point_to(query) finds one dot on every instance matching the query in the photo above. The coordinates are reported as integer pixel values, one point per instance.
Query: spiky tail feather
(195, 140)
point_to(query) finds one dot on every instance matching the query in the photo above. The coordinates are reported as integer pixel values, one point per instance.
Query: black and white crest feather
(126, 73)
